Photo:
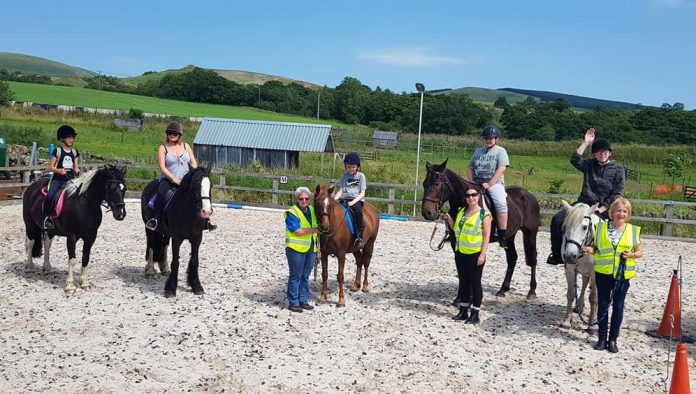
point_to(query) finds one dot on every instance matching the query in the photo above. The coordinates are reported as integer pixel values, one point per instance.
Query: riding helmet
(175, 127)
(490, 131)
(601, 144)
(352, 158)
(65, 131)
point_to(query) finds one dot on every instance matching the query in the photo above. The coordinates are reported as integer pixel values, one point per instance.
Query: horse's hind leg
(172, 280)
(28, 246)
(69, 282)
(593, 300)
(86, 254)
(366, 258)
(570, 295)
(530, 254)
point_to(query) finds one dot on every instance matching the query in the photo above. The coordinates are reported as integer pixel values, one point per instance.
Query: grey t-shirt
(483, 164)
(351, 186)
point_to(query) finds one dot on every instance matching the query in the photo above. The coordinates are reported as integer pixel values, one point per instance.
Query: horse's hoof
(165, 272)
(169, 294)
(531, 296)
(29, 268)
(199, 292)
(365, 289)
(69, 291)
(339, 305)
(565, 324)
(500, 293)
(355, 288)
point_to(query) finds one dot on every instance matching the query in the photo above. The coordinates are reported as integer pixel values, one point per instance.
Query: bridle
(439, 202)
(324, 212)
(110, 205)
(588, 235)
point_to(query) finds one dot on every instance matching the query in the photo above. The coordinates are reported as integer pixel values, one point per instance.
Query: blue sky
(639, 51)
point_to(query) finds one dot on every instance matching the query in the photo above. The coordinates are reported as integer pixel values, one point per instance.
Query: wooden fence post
(274, 196)
(221, 192)
(669, 212)
(390, 204)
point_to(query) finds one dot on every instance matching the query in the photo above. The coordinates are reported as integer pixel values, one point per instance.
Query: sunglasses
(469, 195)
(303, 198)
(171, 133)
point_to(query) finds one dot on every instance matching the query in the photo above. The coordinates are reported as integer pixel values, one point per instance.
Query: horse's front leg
(47, 250)
(86, 252)
(341, 291)
(570, 295)
(192, 272)
(69, 285)
(511, 257)
(529, 237)
(358, 255)
(366, 258)
(593, 300)
(29, 246)
(324, 278)
(172, 280)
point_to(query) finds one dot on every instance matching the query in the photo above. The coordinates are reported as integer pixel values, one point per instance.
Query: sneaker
(306, 307)
(358, 243)
(295, 308)
(151, 224)
(48, 223)
(210, 226)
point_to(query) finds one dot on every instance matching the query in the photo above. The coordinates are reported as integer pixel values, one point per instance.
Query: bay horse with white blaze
(578, 232)
(79, 218)
(184, 219)
(442, 185)
(335, 239)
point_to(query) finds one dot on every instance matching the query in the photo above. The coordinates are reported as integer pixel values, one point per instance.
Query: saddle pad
(59, 201)
(349, 220)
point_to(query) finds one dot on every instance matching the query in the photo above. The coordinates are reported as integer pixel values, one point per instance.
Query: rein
(438, 204)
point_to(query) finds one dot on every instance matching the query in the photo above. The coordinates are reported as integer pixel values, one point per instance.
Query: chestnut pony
(335, 239)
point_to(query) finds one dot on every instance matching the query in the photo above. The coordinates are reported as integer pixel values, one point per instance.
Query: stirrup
(48, 223)
(151, 224)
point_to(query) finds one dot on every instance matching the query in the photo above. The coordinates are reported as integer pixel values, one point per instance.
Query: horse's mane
(192, 177)
(80, 184)
(575, 215)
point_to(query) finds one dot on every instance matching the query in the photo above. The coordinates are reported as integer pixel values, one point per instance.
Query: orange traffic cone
(680, 374)
(671, 318)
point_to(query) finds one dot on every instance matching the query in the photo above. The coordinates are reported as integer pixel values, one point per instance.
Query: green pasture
(69, 95)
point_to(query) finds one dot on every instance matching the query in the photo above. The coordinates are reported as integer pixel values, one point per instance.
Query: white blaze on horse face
(207, 209)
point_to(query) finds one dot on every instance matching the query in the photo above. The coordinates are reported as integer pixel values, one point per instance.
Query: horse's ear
(566, 206)
(444, 163)
(208, 167)
(331, 189)
(318, 189)
(594, 207)
(428, 166)
(123, 170)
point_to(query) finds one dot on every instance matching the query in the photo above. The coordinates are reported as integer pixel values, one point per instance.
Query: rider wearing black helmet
(352, 186)
(487, 166)
(603, 182)
(65, 165)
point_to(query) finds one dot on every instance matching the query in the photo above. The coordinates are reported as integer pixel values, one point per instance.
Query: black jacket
(600, 184)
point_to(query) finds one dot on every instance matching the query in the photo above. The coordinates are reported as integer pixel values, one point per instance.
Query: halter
(439, 202)
(588, 235)
(111, 205)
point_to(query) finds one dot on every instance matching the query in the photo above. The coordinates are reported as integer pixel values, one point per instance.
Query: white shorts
(499, 197)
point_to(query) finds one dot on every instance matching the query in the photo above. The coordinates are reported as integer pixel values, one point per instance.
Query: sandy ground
(122, 335)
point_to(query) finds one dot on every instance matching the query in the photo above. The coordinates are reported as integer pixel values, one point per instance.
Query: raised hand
(590, 135)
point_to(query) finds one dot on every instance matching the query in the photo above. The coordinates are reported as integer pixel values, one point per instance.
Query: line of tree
(17, 76)
(455, 114)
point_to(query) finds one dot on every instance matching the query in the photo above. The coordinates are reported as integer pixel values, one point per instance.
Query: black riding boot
(612, 347)
(601, 344)
(463, 313)
(474, 318)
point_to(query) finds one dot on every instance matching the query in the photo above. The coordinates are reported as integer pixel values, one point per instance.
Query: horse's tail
(35, 235)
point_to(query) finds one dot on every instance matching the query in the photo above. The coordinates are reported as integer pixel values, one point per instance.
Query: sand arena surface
(122, 335)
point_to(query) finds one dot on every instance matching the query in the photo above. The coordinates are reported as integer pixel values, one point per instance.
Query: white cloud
(415, 56)
(668, 3)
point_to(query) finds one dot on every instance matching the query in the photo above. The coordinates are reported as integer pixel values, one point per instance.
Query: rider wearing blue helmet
(352, 186)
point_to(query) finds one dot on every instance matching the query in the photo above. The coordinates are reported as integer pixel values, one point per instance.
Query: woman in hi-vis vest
(616, 247)
(301, 244)
(472, 229)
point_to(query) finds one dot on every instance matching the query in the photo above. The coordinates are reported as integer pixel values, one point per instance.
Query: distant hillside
(36, 65)
(575, 101)
(241, 77)
(483, 94)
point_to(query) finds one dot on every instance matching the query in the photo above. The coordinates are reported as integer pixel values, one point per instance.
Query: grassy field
(37, 65)
(67, 95)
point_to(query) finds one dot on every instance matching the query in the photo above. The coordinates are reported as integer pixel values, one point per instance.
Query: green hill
(241, 77)
(484, 95)
(36, 65)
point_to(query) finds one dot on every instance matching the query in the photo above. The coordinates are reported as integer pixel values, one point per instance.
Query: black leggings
(470, 289)
(358, 215)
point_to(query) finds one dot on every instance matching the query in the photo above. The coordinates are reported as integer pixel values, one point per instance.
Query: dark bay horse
(184, 219)
(442, 184)
(80, 218)
(335, 239)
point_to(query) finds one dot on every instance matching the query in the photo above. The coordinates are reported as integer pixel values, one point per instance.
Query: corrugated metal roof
(384, 135)
(299, 137)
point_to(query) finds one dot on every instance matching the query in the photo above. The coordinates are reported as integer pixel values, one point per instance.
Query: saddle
(167, 200)
(57, 202)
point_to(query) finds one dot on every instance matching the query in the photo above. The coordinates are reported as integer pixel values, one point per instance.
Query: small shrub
(556, 186)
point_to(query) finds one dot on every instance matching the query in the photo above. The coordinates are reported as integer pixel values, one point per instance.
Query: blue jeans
(300, 265)
(610, 292)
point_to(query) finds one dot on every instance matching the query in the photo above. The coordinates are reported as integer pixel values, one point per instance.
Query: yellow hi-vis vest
(469, 232)
(301, 243)
(607, 258)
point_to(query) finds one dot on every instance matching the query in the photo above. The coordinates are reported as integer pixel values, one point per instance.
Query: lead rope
(671, 323)
(441, 244)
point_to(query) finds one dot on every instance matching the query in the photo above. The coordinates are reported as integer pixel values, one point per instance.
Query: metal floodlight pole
(421, 88)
